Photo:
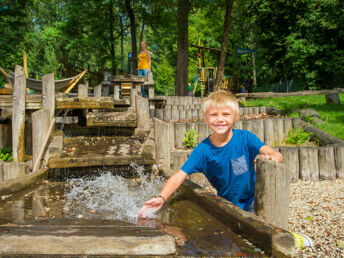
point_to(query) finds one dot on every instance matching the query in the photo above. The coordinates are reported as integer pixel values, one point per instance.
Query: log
(287, 126)
(202, 130)
(175, 114)
(327, 167)
(269, 133)
(82, 90)
(339, 160)
(278, 130)
(167, 115)
(271, 199)
(309, 168)
(263, 95)
(258, 129)
(291, 161)
(182, 115)
(142, 112)
(162, 143)
(248, 125)
(179, 133)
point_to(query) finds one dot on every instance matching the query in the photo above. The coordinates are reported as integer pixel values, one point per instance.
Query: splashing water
(110, 196)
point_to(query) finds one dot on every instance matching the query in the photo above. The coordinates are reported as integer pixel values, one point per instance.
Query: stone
(333, 98)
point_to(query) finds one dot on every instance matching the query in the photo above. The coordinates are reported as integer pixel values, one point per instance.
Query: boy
(226, 157)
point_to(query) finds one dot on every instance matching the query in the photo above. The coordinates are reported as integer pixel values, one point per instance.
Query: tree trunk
(142, 31)
(224, 45)
(122, 41)
(132, 34)
(112, 40)
(181, 80)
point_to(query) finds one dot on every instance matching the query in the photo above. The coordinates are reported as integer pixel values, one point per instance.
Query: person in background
(144, 64)
(248, 84)
(190, 90)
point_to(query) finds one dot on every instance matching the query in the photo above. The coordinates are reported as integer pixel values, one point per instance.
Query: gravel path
(317, 210)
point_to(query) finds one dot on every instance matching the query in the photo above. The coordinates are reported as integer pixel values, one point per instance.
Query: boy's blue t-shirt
(230, 168)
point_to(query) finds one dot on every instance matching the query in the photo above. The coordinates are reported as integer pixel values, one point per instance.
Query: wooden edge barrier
(275, 241)
(271, 199)
(17, 184)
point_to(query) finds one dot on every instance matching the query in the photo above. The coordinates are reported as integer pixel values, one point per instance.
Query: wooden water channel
(116, 108)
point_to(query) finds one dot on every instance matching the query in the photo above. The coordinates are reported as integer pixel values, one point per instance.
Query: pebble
(316, 209)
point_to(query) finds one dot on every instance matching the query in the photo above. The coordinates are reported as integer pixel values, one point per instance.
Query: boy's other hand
(266, 152)
(151, 206)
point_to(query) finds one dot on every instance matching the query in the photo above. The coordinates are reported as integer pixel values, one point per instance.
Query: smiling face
(220, 119)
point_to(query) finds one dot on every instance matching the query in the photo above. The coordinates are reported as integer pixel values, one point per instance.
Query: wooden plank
(6, 91)
(113, 119)
(262, 95)
(108, 160)
(85, 103)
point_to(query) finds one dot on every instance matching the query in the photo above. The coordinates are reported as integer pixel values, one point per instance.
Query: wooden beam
(262, 95)
(85, 103)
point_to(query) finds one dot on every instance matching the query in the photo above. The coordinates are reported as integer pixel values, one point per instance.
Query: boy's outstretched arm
(170, 186)
(268, 153)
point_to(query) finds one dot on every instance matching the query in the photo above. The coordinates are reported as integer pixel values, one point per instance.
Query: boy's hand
(266, 152)
(151, 206)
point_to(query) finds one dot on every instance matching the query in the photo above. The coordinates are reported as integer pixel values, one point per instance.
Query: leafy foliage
(191, 139)
(298, 136)
(6, 154)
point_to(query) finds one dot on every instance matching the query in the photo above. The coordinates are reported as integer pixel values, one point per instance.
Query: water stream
(112, 197)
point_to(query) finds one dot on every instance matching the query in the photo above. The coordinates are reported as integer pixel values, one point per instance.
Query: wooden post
(269, 133)
(309, 168)
(287, 125)
(48, 94)
(291, 161)
(97, 92)
(179, 132)
(82, 90)
(18, 116)
(175, 114)
(248, 125)
(271, 199)
(162, 144)
(339, 159)
(327, 167)
(278, 130)
(258, 129)
(40, 126)
(167, 114)
(238, 124)
(142, 112)
(182, 114)
(133, 93)
(116, 92)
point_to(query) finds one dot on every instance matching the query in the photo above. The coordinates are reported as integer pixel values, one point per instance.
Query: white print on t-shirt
(239, 165)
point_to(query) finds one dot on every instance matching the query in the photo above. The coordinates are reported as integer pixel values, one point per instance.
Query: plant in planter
(191, 139)
(298, 136)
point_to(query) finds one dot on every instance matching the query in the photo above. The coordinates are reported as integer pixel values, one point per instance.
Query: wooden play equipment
(206, 75)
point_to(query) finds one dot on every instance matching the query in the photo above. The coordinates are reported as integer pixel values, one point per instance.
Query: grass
(332, 115)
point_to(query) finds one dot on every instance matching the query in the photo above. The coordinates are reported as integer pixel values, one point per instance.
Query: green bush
(191, 140)
(6, 154)
(298, 136)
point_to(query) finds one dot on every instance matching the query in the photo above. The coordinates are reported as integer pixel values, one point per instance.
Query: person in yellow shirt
(144, 65)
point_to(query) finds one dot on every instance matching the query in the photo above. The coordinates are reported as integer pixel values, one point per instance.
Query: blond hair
(222, 99)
